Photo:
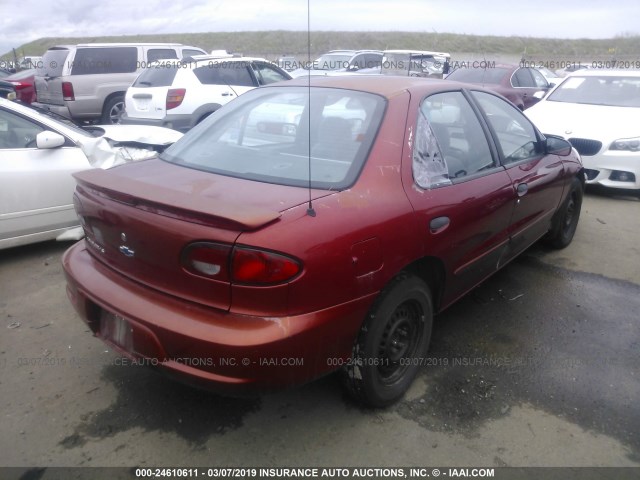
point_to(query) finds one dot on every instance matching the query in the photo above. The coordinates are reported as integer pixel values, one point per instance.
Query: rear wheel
(113, 110)
(566, 220)
(395, 336)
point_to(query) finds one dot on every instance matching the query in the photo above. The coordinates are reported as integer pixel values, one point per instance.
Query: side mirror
(353, 68)
(557, 146)
(49, 139)
(539, 95)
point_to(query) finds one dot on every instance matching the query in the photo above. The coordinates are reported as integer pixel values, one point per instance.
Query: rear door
(462, 197)
(36, 186)
(537, 179)
(527, 85)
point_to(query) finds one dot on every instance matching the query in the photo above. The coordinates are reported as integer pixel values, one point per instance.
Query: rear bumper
(182, 123)
(218, 350)
(59, 109)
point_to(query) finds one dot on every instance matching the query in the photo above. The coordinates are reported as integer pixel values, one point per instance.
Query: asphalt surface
(539, 366)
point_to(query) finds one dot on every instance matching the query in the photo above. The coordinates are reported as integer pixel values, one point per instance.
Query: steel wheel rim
(399, 341)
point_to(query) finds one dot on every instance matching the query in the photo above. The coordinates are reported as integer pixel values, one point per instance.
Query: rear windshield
(159, 74)
(53, 62)
(286, 136)
(611, 91)
(478, 75)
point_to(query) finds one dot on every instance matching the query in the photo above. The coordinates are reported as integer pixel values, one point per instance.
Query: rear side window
(155, 54)
(90, 61)
(157, 75)
(225, 73)
(53, 62)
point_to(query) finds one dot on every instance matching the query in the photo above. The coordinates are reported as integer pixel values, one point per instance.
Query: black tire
(203, 117)
(566, 220)
(113, 110)
(394, 337)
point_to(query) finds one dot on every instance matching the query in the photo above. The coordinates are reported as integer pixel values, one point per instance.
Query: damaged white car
(39, 152)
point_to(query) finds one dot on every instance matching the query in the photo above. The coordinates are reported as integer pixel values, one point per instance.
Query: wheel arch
(432, 272)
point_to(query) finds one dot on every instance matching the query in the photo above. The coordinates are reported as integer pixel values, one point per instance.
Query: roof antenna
(310, 211)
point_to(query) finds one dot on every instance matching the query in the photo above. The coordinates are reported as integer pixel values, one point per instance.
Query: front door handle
(522, 189)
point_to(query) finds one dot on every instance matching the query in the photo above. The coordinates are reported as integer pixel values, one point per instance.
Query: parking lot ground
(539, 366)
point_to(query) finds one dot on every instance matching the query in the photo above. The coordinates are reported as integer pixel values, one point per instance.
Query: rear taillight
(67, 91)
(238, 264)
(175, 96)
(207, 259)
(19, 85)
(262, 267)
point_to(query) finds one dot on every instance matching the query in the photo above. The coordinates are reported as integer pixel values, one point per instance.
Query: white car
(179, 94)
(337, 62)
(598, 111)
(39, 154)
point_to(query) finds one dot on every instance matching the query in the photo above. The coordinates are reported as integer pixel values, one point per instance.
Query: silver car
(39, 154)
(87, 82)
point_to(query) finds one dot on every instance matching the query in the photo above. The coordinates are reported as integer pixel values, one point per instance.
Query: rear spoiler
(175, 204)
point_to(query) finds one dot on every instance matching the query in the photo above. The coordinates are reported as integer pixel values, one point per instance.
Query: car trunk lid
(148, 103)
(140, 217)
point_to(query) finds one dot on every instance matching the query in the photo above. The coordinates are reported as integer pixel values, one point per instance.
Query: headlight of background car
(631, 144)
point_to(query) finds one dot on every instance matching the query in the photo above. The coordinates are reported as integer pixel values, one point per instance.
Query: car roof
(197, 60)
(418, 52)
(386, 85)
(604, 73)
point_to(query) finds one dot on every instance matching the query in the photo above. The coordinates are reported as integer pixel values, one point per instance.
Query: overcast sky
(25, 20)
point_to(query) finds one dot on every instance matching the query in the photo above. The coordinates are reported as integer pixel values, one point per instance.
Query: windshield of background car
(331, 62)
(478, 75)
(287, 136)
(53, 62)
(610, 91)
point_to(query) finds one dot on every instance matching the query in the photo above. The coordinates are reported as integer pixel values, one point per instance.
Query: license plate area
(117, 330)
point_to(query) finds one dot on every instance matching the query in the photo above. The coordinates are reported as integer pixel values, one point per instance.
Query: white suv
(180, 94)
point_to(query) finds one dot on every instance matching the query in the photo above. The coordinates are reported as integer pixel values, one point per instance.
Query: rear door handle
(522, 189)
(438, 224)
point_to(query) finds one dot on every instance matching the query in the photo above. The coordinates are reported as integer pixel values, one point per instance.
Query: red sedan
(306, 229)
(524, 86)
(23, 82)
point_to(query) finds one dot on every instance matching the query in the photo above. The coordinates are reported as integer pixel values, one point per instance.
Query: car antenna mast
(310, 211)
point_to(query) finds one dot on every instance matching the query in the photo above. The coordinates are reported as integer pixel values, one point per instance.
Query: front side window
(286, 136)
(450, 141)
(267, 74)
(516, 136)
(17, 131)
(539, 79)
(522, 78)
